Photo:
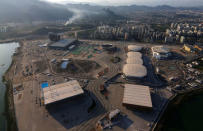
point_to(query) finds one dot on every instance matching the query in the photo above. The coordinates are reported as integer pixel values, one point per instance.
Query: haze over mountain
(35, 10)
(176, 3)
(31, 10)
(39, 10)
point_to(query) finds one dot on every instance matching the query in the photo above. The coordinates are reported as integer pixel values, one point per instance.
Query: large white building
(62, 91)
(160, 52)
(137, 96)
(134, 71)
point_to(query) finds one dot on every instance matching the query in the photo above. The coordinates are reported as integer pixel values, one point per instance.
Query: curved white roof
(134, 70)
(134, 48)
(134, 60)
(134, 54)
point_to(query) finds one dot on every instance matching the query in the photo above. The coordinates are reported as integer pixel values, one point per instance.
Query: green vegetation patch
(160, 27)
(115, 59)
(9, 108)
(81, 49)
(89, 56)
(77, 67)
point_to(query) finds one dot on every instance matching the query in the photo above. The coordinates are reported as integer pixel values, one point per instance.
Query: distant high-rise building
(168, 31)
(76, 35)
(169, 39)
(172, 25)
(182, 39)
(126, 36)
(54, 36)
(3, 29)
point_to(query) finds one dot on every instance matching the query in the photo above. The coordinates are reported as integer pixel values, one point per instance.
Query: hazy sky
(137, 2)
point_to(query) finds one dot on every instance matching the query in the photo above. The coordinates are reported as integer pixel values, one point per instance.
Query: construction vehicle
(109, 119)
(197, 47)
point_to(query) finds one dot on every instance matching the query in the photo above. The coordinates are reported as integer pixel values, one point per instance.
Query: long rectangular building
(63, 44)
(137, 96)
(62, 91)
(160, 52)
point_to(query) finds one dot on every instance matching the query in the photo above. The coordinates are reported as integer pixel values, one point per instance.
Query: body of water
(6, 52)
(188, 116)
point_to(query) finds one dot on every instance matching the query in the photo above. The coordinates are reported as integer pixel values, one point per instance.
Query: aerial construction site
(84, 85)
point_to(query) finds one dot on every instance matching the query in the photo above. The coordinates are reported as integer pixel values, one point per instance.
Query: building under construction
(64, 44)
(137, 96)
(55, 93)
(54, 36)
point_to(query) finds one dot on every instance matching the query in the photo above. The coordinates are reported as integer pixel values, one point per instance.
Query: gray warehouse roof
(134, 70)
(63, 43)
(61, 91)
(137, 95)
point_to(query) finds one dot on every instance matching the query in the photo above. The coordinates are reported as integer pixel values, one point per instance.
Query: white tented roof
(134, 70)
(134, 54)
(134, 48)
(137, 95)
(61, 91)
(134, 60)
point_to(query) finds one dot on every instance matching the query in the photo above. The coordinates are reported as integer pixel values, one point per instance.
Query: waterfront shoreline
(175, 100)
(9, 108)
(11, 122)
(7, 41)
